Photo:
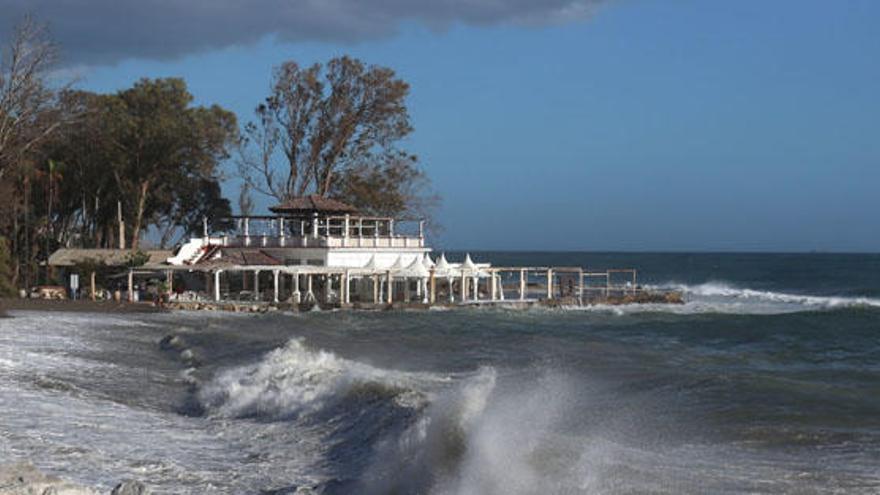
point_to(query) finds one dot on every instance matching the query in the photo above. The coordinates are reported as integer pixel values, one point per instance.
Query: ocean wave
(726, 298)
(721, 289)
(294, 381)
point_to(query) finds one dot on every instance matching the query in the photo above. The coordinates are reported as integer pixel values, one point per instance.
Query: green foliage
(395, 187)
(6, 287)
(329, 121)
(136, 259)
(146, 148)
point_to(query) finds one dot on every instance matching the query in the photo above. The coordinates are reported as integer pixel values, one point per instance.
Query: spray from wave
(467, 434)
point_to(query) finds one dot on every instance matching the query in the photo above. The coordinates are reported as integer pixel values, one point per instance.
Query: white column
(522, 285)
(451, 295)
(315, 225)
(463, 288)
(476, 288)
(217, 285)
(425, 299)
(549, 284)
(376, 295)
(580, 287)
(297, 297)
(492, 286)
(256, 285)
(390, 294)
(346, 226)
(247, 232)
(130, 286)
(310, 296)
(346, 277)
(275, 294)
(405, 289)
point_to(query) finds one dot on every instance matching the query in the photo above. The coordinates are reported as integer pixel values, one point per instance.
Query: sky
(619, 125)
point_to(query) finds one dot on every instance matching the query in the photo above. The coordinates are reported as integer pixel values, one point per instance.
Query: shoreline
(80, 306)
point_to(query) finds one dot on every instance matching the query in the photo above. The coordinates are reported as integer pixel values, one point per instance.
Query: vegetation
(75, 165)
(335, 129)
(6, 287)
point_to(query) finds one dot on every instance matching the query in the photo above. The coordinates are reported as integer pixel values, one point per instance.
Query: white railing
(324, 241)
(332, 231)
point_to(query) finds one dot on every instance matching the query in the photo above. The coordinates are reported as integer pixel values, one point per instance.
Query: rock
(130, 487)
(169, 342)
(25, 479)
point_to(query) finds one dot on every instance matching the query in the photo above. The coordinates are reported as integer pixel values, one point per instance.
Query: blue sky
(648, 125)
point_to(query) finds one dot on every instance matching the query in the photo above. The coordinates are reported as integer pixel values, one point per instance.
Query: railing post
(315, 225)
(275, 294)
(346, 226)
(247, 232)
(281, 232)
(391, 228)
(522, 285)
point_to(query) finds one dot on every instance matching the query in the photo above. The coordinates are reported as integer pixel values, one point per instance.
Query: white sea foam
(726, 298)
(294, 380)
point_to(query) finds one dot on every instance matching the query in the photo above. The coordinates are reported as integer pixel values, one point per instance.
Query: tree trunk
(139, 215)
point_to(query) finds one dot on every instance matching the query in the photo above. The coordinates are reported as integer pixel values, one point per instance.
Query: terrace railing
(328, 231)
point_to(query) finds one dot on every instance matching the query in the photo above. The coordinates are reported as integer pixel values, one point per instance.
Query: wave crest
(293, 381)
(726, 298)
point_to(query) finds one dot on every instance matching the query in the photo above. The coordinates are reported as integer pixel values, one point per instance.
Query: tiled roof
(313, 202)
(248, 256)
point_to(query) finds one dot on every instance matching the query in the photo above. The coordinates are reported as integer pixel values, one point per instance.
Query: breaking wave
(723, 290)
(725, 298)
(465, 435)
(294, 381)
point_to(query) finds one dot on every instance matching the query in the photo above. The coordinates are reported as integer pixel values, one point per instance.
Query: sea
(767, 380)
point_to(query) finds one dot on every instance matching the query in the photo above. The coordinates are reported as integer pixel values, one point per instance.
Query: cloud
(107, 31)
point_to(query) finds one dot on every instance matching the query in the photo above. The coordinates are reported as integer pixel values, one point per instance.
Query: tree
(6, 286)
(396, 187)
(164, 143)
(28, 103)
(326, 123)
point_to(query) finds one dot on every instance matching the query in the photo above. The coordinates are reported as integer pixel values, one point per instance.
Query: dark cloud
(106, 31)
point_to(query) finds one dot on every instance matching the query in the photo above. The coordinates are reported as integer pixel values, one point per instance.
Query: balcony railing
(331, 231)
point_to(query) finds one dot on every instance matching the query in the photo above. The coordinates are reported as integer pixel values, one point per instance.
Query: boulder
(130, 487)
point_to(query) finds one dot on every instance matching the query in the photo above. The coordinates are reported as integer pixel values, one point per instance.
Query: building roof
(248, 257)
(313, 203)
(110, 257)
